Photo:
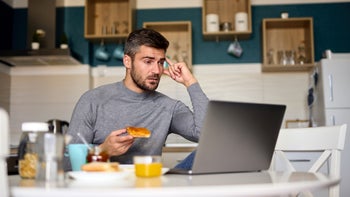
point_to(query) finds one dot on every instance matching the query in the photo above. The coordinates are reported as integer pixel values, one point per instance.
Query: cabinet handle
(330, 79)
(299, 160)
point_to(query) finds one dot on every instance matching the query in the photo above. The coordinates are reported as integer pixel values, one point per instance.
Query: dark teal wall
(331, 31)
(6, 18)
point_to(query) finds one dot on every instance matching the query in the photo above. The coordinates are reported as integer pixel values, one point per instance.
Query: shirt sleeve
(82, 121)
(186, 122)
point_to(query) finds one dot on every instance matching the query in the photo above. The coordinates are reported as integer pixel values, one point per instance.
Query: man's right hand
(116, 143)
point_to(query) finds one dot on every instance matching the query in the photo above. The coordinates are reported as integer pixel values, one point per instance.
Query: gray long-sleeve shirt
(111, 107)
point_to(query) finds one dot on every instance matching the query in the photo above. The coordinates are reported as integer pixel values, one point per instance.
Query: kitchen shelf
(109, 20)
(287, 34)
(226, 10)
(179, 35)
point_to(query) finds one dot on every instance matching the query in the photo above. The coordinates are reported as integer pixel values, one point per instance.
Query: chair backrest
(329, 140)
(4, 152)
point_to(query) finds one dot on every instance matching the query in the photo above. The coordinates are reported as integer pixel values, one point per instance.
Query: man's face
(147, 68)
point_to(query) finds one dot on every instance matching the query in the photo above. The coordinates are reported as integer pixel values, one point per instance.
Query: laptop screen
(238, 137)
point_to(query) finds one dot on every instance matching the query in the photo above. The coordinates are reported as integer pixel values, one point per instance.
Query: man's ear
(127, 61)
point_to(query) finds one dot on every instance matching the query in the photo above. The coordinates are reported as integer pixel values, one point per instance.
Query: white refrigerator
(331, 104)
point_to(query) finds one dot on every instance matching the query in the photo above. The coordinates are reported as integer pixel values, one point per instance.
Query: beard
(150, 83)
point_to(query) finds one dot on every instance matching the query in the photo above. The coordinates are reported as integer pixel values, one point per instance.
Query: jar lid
(35, 126)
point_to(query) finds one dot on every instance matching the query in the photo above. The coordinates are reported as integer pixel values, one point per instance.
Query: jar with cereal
(29, 149)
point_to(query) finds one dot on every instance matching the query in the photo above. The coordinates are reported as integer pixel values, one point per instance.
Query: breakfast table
(265, 183)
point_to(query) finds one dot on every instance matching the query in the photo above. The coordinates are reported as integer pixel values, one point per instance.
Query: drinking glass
(148, 166)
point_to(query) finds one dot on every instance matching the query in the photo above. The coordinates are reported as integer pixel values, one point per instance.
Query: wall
(41, 93)
(5, 83)
(329, 29)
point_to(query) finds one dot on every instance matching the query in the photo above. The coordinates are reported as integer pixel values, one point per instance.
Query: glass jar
(97, 154)
(29, 148)
(301, 55)
(290, 57)
(282, 57)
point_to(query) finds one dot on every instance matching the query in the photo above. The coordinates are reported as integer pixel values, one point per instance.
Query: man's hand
(180, 73)
(116, 144)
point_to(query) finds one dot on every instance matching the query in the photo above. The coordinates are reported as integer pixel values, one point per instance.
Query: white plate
(97, 176)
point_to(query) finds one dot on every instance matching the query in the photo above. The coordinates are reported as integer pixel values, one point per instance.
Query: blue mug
(101, 54)
(77, 154)
(118, 52)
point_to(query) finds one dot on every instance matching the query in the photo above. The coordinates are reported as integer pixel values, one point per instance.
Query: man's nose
(157, 68)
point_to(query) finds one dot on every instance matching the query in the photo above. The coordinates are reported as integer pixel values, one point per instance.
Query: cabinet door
(335, 75)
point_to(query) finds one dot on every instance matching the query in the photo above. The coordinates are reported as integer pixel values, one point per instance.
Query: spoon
(84, 141)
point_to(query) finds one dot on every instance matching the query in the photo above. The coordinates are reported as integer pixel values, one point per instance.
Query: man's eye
(148, 62)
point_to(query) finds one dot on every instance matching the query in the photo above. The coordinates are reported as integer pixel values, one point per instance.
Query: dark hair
(146, 37)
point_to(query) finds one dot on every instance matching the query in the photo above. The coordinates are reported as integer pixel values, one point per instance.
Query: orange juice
(148, 169)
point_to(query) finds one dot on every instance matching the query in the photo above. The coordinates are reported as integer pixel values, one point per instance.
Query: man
(102, 114)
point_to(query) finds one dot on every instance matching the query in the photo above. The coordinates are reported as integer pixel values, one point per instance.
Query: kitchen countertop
(180, 147)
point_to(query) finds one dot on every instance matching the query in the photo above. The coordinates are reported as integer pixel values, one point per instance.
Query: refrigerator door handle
(330, 79)
(332, 119)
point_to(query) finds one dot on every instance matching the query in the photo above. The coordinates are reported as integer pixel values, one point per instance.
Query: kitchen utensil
(235, 49)
(290, 55)
(212, 22)
(148, 166)
(30, 148)
(50, 161)
(270, 57)
(226, 26)
(101, 53)
(241, 22)
(84, 141)
(282, 57)
(77, 155)
(57, 126)
(118, 52)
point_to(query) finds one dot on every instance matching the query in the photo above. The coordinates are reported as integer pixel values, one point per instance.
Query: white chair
(4, 152)
(329, 140)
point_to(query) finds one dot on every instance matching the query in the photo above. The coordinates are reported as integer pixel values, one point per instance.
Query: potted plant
(64, 41)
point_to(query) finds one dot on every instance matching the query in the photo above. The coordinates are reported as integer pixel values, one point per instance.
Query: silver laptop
(236, 137)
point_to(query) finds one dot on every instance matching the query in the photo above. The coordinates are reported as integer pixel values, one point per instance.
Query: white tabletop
(228, 184)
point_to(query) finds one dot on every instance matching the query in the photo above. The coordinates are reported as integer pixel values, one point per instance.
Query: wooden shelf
(179, 35)
(109, 19)
(287, 68)
(226, 10)
(287, 35)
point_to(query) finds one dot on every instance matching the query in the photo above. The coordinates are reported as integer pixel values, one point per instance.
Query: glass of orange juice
(148, 166)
